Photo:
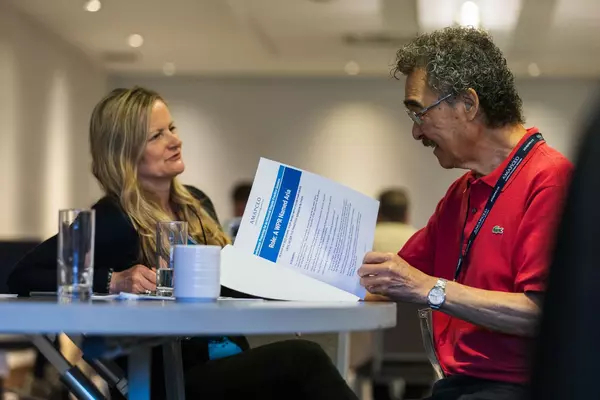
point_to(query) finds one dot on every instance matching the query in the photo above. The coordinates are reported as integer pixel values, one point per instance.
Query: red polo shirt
(510, 254)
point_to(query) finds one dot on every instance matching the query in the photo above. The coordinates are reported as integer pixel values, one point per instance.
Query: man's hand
(513, 313)
(389, 275)
(376, 298)
(136, 279)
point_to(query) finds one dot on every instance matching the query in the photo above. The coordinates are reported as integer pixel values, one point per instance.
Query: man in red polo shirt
(481, 261)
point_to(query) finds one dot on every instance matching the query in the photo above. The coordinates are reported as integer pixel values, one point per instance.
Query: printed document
(309, 224)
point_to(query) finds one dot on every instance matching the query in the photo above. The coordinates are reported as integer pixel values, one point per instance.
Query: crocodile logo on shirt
(497, 230)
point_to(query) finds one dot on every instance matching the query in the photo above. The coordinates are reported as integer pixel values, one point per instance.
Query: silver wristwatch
(437, 294)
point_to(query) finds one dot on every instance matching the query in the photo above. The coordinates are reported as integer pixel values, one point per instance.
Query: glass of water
(168, 235)
(76, 230)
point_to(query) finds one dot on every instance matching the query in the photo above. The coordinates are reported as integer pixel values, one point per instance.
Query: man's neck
(495, 146)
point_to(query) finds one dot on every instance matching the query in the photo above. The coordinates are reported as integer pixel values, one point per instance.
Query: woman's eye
(156, 136)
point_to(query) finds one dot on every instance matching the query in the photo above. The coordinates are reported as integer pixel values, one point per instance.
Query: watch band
(441, 283)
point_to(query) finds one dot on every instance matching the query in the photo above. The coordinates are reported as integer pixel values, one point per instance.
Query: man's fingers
(377, 258)
(374, 269)
(369, 281)
(376, 290)
(375, 297)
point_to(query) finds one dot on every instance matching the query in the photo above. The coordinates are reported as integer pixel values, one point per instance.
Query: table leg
(111, 373)
(139, 373)
(377, 352)
(173, 366)
(343, 354)
(81, 387)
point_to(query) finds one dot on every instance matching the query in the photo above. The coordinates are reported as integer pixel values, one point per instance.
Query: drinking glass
(168, 235)
(76, 230)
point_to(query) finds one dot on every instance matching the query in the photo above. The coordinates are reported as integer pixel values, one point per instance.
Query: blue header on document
(278, 214)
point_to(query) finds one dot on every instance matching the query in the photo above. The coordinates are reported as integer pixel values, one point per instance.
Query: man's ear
(471, 103)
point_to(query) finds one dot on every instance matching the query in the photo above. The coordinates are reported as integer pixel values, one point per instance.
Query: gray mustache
(428, 143)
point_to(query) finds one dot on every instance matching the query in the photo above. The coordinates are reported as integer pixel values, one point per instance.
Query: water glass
(168, 235)
(76, 230)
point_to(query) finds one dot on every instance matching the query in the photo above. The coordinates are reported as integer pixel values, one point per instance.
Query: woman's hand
(137, 279)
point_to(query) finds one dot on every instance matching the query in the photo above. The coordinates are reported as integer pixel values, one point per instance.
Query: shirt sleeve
(535, 239)
(418, 251)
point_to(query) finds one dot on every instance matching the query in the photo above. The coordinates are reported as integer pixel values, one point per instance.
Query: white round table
(169, 318)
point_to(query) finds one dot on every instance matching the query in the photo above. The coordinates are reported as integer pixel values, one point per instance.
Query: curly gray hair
(459, 58)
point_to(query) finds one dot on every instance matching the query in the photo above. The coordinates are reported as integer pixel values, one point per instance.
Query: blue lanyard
(504, 178)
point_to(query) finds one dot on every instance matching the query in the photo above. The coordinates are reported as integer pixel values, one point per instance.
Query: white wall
(354, 131)
(351, 130)
(48, 89)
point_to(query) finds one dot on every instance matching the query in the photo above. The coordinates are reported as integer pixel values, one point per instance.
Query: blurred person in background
(136, 157)
(481, 261)
(392, 229)
(239, 198)
(567, 354)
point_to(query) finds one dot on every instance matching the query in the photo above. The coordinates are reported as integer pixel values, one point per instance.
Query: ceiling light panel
(498, 15)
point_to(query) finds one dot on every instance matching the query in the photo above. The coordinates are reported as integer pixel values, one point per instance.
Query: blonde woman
(136, 158)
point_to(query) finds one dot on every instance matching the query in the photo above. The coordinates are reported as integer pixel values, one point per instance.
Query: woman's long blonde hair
(118, 135)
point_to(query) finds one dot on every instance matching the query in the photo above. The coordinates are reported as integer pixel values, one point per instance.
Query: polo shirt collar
(491, 178)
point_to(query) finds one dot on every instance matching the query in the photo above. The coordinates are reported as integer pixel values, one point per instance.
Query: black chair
(10, 253)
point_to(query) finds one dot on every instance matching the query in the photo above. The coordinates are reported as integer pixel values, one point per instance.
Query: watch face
(436, 296)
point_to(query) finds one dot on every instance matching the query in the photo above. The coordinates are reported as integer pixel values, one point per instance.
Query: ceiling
(313, 37)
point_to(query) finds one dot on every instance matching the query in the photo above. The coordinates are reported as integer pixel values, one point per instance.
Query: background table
(168, 318)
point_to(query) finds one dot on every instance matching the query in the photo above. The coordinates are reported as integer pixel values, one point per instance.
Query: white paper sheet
(309, 224)
(256, 276)
(130, 296)
(133, 296)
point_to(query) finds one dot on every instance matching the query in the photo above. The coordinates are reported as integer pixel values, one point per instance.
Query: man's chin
(444, 163)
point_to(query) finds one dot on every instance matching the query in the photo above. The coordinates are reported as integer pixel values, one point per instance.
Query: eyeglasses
(416, 116)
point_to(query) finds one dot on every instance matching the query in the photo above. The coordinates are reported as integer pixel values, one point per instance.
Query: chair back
(11, 251)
